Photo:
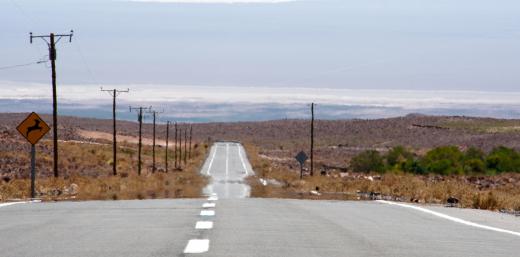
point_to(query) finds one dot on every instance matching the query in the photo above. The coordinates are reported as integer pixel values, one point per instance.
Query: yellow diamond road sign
(33, 128)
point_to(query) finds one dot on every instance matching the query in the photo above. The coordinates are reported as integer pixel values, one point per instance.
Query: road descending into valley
(226, 223)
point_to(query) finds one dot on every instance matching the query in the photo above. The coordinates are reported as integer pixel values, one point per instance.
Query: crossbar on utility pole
(53, 40)
(114, 93)
(140, 120)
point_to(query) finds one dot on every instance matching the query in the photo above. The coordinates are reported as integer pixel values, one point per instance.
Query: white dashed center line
(204, 225)
(207, 213)
(197, 246)
(208, 205)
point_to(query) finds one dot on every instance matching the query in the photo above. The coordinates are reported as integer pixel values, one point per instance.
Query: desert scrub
(428, 188)
(85, 175)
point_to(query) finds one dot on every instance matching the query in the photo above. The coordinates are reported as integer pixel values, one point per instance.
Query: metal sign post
(33, 170)
(33, 128)
(301, 157)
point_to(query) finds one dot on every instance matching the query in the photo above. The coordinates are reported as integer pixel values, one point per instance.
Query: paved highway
(226, 223)
(227, 165)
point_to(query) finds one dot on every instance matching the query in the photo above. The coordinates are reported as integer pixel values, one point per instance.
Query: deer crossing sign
(33, 128)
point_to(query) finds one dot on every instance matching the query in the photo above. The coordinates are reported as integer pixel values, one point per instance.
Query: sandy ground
(87, 134)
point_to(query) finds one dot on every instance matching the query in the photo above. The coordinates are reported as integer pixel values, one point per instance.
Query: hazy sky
(349, 44)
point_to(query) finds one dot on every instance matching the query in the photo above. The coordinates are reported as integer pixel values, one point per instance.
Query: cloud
(149, 94)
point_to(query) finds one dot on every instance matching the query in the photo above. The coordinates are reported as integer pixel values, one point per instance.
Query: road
(227, 223)
(228, 166)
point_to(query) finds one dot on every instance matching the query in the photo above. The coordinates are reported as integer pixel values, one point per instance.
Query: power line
(85, 63)
(9, 67)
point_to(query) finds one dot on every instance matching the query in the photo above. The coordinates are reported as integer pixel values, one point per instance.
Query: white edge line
(21, 202)
(242, 159)
(458, 220)
(227, 161)
(211, 161)
(197, 246)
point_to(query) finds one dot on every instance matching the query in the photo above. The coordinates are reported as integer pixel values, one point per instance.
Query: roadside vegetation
(444, 160)
(401, 175)
(86, 173)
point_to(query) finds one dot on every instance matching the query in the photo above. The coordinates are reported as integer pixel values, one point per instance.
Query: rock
(72, 189)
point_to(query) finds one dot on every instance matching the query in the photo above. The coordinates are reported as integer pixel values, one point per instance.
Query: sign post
(33, 128)
(301, 157)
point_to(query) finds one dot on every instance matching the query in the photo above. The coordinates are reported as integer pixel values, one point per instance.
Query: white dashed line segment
(204, 225)
(197, 246)
(212, 198)
(207, 213)
(208, 205)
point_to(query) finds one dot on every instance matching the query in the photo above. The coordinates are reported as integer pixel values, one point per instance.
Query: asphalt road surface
(227, 223)
(227, 165)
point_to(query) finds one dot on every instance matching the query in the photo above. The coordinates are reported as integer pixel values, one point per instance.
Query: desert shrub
(474, 166)
(398, 156)
(413, 166)
(445, 160)
(503, 159)
(368, 161)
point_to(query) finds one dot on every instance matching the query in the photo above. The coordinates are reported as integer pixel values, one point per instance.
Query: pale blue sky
(350, 44)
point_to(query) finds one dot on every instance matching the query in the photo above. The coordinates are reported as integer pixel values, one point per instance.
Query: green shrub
(398, 156)
(503, 159)
(445, 160)
(367, 161)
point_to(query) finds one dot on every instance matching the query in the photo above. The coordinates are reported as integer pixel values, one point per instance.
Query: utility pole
(185, 144)
(53, 40)
(140, 120)
(312, 139)
(180, 146)
(114, 93)
(175, 153)
(154, 115)
(189, 151)
(166, 150)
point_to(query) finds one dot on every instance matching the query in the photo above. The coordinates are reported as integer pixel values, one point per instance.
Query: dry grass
(404, 187)
(86, 174)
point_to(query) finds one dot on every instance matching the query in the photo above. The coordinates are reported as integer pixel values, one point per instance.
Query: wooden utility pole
(166, 149)
(154, 115)
(191, 132)
(140, 120)
(175, 153)
(114, 93)
(185, 144)
(52, 57)
(312, 139)
(180, 146)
